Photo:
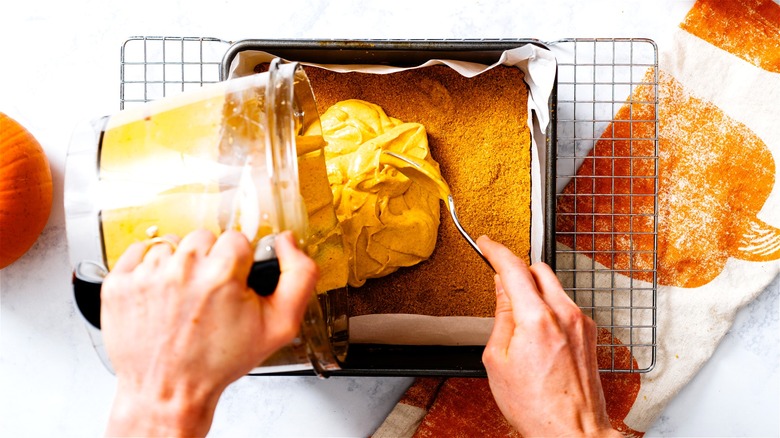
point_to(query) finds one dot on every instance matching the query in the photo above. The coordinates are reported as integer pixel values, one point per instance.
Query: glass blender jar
(221, 157)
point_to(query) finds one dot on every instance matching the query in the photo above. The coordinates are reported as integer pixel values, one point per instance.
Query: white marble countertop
(60, 66)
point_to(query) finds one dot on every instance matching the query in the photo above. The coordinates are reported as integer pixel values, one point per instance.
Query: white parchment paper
(539, 66)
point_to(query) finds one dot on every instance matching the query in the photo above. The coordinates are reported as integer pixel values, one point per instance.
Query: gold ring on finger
(155, 240)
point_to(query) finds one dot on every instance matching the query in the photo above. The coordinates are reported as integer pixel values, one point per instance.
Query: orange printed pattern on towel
(715, 175)
(465, 407)
(620, 389)
(606, 211)
(423, 392)
(749, 29)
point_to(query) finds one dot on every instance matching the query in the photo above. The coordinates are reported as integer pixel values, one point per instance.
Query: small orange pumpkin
(25, 190)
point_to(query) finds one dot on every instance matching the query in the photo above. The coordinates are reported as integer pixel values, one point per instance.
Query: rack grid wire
(153, 67)
(607, 187)
(606, 172)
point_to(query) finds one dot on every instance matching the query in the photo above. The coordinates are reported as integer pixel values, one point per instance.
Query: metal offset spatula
(427, 176)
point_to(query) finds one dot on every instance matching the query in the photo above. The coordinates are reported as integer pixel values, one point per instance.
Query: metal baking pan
(402, 360)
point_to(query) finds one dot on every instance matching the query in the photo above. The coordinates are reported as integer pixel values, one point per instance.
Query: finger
(131, 258)
(567, 313)
(517, 280)
(591, 342)
(193, 248)
(196, 243)
(173, 239)
(298, 278)
(232, 254)
(551, 290)
(579, 329)
(504, 325)
(160, 249)
(200, 240)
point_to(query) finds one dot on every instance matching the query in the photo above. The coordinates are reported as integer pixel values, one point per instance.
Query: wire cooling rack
(607, 186)
(153, 67)
(606, 220)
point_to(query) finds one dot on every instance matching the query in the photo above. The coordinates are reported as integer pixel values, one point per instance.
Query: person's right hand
(541, 355)
(181, 324)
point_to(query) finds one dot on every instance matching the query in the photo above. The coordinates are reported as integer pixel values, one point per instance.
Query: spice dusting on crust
(478, 132)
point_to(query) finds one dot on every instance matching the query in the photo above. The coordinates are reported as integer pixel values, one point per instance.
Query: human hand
(541, 356)
(180, 326)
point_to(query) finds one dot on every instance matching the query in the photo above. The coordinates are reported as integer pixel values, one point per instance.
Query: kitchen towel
(718, 218)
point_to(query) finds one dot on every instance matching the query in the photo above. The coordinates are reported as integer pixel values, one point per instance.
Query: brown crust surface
(478, 132)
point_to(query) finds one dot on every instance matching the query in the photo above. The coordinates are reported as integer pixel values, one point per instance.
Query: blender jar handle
(88, 280)
(264, 276)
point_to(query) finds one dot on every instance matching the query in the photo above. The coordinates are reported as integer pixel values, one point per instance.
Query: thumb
(296, 284)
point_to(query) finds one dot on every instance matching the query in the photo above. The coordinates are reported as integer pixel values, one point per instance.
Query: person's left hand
(180, 326)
